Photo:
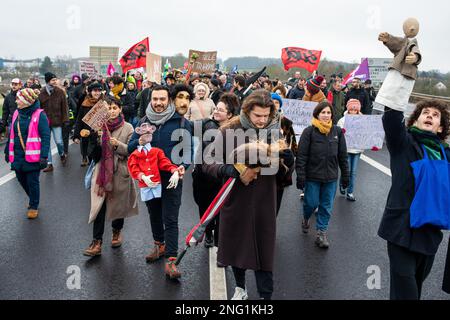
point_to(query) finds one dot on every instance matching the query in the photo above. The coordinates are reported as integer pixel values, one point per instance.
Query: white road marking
(376, 165)
(217, 280)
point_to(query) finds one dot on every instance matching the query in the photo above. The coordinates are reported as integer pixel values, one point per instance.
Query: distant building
(440, 86)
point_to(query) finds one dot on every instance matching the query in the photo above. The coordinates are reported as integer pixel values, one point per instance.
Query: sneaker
(240, 294)
(32, 214)
(322, 240)
(305, 226)
(171, 269)
(64, 159)
(95, 249)
(157, 252)
(342, 190)
(49, 168)
(116, 238)
(209, 242)
(84, 162)
(351, 197)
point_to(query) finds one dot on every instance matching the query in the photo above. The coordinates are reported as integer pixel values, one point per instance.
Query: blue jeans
(353, 160)
(30, 183)
(319, 196)
(57, 137)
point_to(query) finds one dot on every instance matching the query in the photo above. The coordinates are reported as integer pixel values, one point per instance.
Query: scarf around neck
(323, 127)
(431, 142)
(274, 124)
(160, 118)
(105, 176)
(49, 89)
(117, 90)
(89, 102)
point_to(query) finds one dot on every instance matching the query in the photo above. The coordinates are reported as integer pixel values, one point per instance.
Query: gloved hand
(288, 157)
(300, 184)
(229, 171)
(43, 163)
(148, 181)
(173, 181)
(345, 182)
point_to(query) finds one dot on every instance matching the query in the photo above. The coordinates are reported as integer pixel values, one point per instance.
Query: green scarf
(430, 141)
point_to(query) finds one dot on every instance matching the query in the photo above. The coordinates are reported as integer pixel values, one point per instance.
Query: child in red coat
(144, 165)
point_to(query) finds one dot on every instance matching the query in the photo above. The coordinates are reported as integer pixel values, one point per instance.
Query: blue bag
(88, 176)
(431, 203)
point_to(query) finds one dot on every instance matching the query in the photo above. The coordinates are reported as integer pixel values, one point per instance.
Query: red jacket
(140, 164)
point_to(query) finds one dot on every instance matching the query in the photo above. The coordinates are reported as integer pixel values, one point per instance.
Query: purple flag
(362, 72)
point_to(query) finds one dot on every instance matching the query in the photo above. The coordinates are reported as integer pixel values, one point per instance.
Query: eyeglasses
(220, 110)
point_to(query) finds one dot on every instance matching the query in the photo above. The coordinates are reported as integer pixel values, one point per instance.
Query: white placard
(300, 113)
(364, 132)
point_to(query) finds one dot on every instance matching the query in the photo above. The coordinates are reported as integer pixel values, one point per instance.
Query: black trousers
(280, 192)
(264, 282)
(446, 282)
(99, 223)
(30, 183)
(66, 130)
(408, 271)
(84, 144)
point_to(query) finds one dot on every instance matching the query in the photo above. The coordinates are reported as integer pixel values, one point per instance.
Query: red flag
(136, 56)
(301, 58)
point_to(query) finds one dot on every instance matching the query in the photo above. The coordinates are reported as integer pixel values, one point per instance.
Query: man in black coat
(9, 105)
(372, 95)
(358, 92)
(298, 91)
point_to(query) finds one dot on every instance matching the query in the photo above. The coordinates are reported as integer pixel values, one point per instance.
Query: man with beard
(164, 211)
(357, 92)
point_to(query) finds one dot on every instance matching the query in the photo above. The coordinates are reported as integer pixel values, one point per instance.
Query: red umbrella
(196, 235)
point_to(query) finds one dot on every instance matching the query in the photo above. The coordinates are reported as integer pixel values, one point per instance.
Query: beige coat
(200, 109)
(124, 202)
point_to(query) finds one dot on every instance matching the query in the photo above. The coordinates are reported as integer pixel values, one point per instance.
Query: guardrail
(421, 96)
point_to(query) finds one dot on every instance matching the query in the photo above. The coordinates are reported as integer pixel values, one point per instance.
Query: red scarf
(105, 176)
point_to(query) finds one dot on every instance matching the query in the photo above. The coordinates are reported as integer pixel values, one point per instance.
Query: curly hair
(438, 105)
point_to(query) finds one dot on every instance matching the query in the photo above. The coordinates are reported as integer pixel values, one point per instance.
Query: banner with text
(364, 132)
(205, 62)
(300, 113)
(88, 68)
(154, 68)
(97, 116)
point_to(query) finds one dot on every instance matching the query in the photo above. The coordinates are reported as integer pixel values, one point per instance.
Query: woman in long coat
(248, 217)
(113, 192)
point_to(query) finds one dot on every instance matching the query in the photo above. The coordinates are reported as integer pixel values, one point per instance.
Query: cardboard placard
(205, 63)
(97, 116)
(154, 68)
(364, 132)
(88, 68)
(300, 113)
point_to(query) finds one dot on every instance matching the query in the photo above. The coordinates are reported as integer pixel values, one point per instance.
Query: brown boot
(157, 252)
(95, 249)
(49, 168)
(116, 238)
(171, 269)
(32, 214)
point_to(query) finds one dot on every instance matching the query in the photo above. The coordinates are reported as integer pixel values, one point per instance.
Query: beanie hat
(131, 79)
(354, 104)
(84, 77)
(204, 85)
(76, 76)
(49, 76)
(276, 96)
(27, 96)
(313, 85)
(94, 86)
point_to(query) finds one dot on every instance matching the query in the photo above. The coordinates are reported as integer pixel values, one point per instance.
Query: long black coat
(395, 224)
(248, 219)
(9, 106)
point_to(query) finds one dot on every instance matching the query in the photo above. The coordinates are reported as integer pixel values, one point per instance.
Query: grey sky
(344, 30)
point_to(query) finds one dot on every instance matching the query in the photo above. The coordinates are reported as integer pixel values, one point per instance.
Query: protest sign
(88, 68)
(300, 113)
(154, 68)
(364, 132)
(97, 116)
(205, 61)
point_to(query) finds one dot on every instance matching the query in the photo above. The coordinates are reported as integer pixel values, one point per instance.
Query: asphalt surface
(35, 255)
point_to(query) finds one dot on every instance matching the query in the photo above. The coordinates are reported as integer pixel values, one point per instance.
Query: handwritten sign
(154, 68)
(206, 61)
(88, 67)
(364, 132)
(300, 113)
(97, 116)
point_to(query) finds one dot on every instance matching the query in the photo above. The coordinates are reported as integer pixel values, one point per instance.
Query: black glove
(300, 184)
(7, 157)
(228, 171)
(288, 157)
(43, 163)
(345, 182)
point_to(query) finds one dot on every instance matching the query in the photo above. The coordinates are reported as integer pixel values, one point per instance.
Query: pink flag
(110, 71)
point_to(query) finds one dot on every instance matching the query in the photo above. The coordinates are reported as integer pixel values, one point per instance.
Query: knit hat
(204, 85)
(313, 85)
(354, 104)
(84, 77)
(131, 79)
(76, 76)
(94, 86)
(276, 96)
(27, 96)
(49, 76)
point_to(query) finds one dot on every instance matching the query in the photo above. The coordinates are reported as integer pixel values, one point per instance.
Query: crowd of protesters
(33, 113)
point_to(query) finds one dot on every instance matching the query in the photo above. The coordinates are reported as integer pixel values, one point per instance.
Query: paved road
(35, 255)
